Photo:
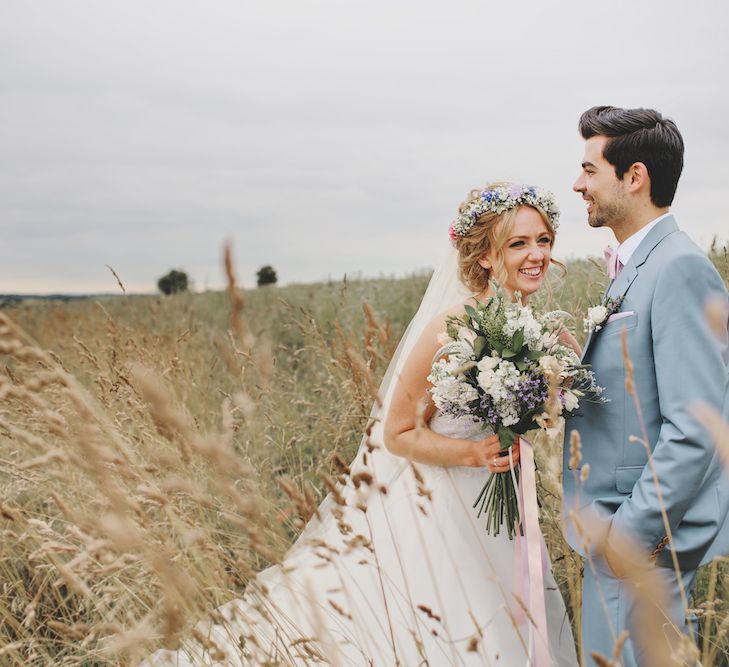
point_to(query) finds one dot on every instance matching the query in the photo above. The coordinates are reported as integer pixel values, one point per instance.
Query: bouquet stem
(499, 502)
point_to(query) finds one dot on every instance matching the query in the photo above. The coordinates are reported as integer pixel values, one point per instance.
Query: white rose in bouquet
(486, 379)
(488, 363)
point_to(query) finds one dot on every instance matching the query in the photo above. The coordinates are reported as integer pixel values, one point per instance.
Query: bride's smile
(525, 256)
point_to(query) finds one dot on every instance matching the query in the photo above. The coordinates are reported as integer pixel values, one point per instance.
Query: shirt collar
(626, 249)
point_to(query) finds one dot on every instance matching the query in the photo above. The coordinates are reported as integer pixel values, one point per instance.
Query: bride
(395, 568)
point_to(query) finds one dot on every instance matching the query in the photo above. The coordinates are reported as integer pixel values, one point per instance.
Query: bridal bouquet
(505, 367)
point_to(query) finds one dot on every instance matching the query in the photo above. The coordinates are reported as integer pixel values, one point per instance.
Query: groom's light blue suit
(678, 362)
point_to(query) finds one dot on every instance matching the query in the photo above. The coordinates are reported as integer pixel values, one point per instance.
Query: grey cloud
(322, 137)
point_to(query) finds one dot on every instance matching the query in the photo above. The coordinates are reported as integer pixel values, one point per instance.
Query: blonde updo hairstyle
(491, 230)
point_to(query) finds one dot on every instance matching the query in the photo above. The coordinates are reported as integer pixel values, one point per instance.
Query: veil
(444, 290)
(290, 591)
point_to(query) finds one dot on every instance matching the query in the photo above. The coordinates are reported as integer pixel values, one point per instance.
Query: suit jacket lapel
(630, 271)
(620, 286)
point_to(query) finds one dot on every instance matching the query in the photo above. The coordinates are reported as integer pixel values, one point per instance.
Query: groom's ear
(637, 177)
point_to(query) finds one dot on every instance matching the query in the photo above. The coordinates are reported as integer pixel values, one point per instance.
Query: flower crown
(502, 198)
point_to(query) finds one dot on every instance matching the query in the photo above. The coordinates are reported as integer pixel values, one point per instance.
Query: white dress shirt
(626, 249)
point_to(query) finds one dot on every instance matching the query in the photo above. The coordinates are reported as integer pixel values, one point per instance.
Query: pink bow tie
(613, 262)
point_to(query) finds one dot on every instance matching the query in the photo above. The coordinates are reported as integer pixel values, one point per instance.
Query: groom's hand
(625, 563)
(615, 561)
(616, 549)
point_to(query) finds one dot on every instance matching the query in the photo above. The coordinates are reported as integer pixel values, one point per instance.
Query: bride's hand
(488, 453)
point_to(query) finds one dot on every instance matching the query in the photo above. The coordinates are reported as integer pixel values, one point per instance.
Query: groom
(660, 285)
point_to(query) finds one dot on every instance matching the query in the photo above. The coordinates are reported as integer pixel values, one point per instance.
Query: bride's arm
(406, 430)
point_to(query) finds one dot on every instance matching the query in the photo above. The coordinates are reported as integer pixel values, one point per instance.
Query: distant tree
(266, 276)
(173, 282)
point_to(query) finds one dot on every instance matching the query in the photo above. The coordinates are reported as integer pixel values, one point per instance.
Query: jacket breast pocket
(617, 325)
(626, 477)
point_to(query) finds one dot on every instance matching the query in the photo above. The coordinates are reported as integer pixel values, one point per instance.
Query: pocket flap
(629, 320)
(626, 477)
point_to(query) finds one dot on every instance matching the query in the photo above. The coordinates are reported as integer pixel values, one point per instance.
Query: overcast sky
(323, 137)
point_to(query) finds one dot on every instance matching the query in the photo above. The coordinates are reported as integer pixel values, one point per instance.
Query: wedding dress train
(413, 580)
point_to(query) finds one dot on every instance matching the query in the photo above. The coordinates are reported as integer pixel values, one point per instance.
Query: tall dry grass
(158, 452)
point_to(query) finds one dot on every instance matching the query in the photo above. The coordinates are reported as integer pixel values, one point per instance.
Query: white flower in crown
(502, 198)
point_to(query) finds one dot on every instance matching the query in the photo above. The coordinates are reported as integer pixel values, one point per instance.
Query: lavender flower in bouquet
(505, 367)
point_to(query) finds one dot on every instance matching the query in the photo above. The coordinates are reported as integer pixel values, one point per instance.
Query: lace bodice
(463, 428)
(458, 427)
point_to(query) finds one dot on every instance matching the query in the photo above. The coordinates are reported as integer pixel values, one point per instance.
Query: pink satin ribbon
(530, 571)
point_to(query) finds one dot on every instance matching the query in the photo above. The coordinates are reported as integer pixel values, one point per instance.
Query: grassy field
(155, 453)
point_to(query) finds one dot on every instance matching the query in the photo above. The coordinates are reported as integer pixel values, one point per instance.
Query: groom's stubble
(613, 213)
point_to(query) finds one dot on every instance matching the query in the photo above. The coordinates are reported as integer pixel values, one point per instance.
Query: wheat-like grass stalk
(158, 452)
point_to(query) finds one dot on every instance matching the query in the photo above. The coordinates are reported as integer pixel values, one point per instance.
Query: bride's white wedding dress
(414, 580)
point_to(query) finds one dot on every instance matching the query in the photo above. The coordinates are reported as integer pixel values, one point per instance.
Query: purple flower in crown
(515, 191)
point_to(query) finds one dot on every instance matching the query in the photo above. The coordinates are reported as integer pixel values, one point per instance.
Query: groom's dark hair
(639, 135)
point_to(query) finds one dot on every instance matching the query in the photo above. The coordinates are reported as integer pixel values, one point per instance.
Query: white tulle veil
(444, 291)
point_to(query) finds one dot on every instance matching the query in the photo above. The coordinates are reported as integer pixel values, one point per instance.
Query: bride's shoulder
(456, 310)
(431, 337)
(438, 323)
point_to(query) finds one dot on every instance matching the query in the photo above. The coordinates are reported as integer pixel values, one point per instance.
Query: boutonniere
(598, 315)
